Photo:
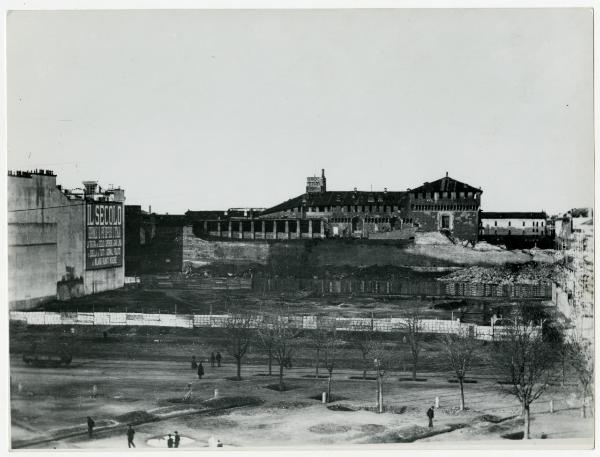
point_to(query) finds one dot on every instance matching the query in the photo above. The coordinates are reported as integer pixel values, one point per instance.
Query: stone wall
(463, 224)
(198, 252)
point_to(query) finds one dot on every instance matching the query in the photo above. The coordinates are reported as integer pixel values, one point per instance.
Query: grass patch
(136, 417)
(234, 378)
(340, 408)
(415, 432)
(265, 374)
(372, 428)
(465, 381)
(233, 402)
(276, 387)
(514, 436)
(291, 404)
(493, 418)
(411, 379)
(387, 409)
(321, 376)
(366, 378)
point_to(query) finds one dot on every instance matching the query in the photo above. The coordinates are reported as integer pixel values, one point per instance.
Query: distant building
(575, 238)
(62, 243)
(446, 204)
(516, 229)
(153, 241)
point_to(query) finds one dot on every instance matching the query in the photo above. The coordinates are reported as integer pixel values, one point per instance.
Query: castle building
(445, 204)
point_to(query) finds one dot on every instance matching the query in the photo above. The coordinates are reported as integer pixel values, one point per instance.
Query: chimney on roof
(446, 174)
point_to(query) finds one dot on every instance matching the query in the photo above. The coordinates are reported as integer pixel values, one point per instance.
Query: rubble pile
(528, 273)
(485, 246)
(431, 238)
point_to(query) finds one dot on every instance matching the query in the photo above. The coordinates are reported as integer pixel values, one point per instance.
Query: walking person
(200, 370)
(170, 441)
(177, 439)
(194, 363)
(130, 435)
(90, 425)
(430, 416)
(212, 359)
(218, 359)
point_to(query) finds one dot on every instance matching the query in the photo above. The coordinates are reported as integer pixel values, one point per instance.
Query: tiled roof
(445, 184)
(513, 215)
(340, 198)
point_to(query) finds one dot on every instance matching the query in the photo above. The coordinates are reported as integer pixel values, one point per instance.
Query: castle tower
(315, 184)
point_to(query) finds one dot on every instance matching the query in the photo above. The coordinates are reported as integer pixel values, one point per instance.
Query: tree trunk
(329, 387)
(414, 370)
(281, 378)
(270, 361)
(364, 374)
(378, 404)
(526, 422)
(317, 365)
(583, 407)
(380, 392)
(462, 394)
(239, 368)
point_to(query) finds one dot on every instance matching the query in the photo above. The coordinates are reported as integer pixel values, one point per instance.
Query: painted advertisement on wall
(104, 235)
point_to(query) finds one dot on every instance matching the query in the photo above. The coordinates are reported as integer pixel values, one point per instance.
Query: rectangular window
(445, 222)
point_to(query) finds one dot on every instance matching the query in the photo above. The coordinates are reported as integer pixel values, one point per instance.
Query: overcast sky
(218, 109)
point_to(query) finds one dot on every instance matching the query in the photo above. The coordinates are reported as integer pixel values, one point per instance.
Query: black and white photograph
(299, 228)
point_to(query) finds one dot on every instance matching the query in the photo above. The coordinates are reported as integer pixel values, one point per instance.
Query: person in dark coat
(430, 416)
(177, 439)
(194, 363)
(200, 370)
(90, 424)
(170, 441)
(212, 359)
(219, 359)
(130, 435)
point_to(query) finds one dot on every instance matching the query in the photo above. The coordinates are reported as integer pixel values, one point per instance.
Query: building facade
(446, 204)
(61, 243)
(516, 229)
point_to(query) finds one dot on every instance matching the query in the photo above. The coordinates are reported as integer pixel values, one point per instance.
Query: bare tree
(383, 360)
(331, 346)
(581, 358)
(460, 349)
(527, 361)
(319, 339)
(266, 340)
(413, 325)
(284, 334)
(362, 336)
(239, 336)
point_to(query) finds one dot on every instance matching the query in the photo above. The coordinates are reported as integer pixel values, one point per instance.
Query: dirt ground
(53, 399)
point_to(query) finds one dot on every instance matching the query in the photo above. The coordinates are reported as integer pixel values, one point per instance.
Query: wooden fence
(219, 321)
